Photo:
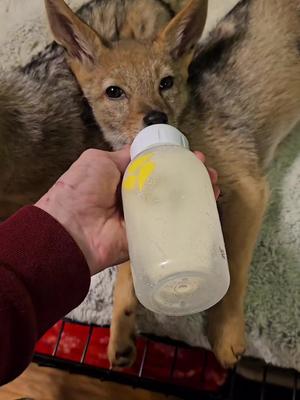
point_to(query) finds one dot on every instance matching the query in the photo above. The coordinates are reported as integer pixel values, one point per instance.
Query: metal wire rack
(164, 366)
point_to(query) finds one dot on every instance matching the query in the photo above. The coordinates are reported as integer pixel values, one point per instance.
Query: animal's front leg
(242, 215)
(121, 349)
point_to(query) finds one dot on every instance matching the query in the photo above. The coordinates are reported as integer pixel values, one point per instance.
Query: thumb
(121, 158)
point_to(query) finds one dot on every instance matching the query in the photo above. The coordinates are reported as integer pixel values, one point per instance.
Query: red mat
(179, 365)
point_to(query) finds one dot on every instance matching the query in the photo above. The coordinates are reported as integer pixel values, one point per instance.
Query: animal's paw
(122, 351)
(229, 351)
(227, 339)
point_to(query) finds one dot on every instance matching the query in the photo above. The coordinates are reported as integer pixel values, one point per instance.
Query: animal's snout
(155, 117)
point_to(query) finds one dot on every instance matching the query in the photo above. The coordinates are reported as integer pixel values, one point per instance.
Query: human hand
(86, 201)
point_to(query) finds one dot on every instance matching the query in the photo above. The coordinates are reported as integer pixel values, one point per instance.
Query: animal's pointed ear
(81, 42)
(185, 29)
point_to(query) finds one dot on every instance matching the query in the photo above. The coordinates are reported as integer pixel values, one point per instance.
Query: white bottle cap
(156, 135)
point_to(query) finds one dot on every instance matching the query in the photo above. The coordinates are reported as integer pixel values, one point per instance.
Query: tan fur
(242, 216)
(123, 319)
(138, 66)
(237, 102)
(273, 95)
(44, 123)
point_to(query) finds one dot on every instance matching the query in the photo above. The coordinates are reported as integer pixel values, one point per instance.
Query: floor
(50, 384)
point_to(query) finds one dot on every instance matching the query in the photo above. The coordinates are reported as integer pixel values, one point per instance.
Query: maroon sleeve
(43, 276)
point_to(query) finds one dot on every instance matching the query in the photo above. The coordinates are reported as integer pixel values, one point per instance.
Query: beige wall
(23, 27)
(217, 9)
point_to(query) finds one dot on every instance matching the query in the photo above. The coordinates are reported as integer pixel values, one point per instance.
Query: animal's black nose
(155, 117)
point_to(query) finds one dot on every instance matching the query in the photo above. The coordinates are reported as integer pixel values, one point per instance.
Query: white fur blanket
(273, 303)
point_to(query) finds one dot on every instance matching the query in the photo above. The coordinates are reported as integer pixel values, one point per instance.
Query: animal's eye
(166, 83)
(114, 92)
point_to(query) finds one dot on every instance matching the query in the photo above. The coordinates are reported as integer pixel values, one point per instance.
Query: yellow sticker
(145, 173)
(129, 182)
(138, 162)
(139, 171)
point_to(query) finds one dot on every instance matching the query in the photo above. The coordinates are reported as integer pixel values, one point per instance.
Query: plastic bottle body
(176, 246)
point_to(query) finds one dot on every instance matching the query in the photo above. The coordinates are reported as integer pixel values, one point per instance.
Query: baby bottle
(176, 246)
